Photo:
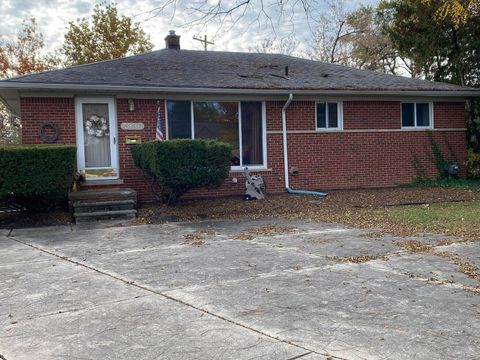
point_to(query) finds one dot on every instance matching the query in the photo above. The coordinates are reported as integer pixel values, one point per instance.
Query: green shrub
(448, 183)
(182, 164)
(36, 176)
(472, 164)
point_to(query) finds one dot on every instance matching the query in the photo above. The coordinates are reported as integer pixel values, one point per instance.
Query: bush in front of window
(37, 177)
(180, 165)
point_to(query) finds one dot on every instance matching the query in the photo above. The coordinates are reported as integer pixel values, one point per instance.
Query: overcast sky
(53, 17)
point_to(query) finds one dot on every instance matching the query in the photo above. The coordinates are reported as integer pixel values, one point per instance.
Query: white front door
(97, 148)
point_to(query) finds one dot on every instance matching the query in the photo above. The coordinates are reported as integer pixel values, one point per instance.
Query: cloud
(53, 17)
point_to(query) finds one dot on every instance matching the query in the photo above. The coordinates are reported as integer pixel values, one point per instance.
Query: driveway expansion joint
(169, 297)
(299, 356)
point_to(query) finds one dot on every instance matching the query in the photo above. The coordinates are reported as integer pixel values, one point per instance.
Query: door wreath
(48, 132)
(96, 126)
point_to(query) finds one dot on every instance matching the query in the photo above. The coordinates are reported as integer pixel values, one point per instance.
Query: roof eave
(193, 90)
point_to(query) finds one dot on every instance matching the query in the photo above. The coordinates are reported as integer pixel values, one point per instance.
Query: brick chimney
(172, 41)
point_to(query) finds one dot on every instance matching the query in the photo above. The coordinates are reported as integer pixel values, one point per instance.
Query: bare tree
(371, 48)
(287, 46)
(329, 39)
(357, 38)
(225, 14)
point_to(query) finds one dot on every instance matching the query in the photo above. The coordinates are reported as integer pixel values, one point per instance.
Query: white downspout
(284, 135)
(285, 154)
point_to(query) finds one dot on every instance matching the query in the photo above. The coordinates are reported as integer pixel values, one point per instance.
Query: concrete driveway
(263, 289)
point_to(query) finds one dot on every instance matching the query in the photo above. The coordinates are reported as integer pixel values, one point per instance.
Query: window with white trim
(329, 116)
(239, 123)
(417, 115)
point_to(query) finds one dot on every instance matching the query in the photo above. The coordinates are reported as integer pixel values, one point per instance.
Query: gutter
(285, 154)
(202, 90)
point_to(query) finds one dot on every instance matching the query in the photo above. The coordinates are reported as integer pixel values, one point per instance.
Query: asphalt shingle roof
(228, 70)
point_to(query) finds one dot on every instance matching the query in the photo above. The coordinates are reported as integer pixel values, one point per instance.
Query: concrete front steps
(112, 206)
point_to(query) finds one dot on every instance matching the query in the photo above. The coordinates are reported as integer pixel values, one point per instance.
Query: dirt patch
(28, 219)
(267, 230)
(356, 208)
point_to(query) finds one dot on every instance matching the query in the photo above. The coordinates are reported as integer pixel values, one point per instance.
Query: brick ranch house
(343, 127)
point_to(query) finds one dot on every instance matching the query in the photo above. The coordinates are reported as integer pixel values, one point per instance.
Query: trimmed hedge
(36, 176)
(183, 164)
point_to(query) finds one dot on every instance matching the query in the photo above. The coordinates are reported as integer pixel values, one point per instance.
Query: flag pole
(159, 135)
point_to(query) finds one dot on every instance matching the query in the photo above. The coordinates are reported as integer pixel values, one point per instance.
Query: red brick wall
(371, 115)
(36, 111)
(325, 161)
(364, 160)
(302, 111)
(449, 115)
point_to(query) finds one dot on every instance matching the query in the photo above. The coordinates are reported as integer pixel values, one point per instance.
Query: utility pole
(204, 41)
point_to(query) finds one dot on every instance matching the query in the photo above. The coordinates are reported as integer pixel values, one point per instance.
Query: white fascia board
(185, 90)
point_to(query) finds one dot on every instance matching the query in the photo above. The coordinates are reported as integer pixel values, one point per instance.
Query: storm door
(97, 148)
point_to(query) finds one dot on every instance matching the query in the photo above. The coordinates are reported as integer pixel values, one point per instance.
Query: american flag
(159, 135)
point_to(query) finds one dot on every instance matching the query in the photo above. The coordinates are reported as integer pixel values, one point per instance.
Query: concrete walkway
(233, 290)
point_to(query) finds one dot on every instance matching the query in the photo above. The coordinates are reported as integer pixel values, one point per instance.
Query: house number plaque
(132, 126)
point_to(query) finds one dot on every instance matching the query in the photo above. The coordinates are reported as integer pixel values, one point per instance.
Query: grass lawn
(461, 218)
(448, 214)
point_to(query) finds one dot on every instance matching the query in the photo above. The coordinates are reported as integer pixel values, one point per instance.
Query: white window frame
(415, 126)
(239, 102)
(339, 112)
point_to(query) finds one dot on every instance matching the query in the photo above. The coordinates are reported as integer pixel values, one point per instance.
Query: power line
(204, 41)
